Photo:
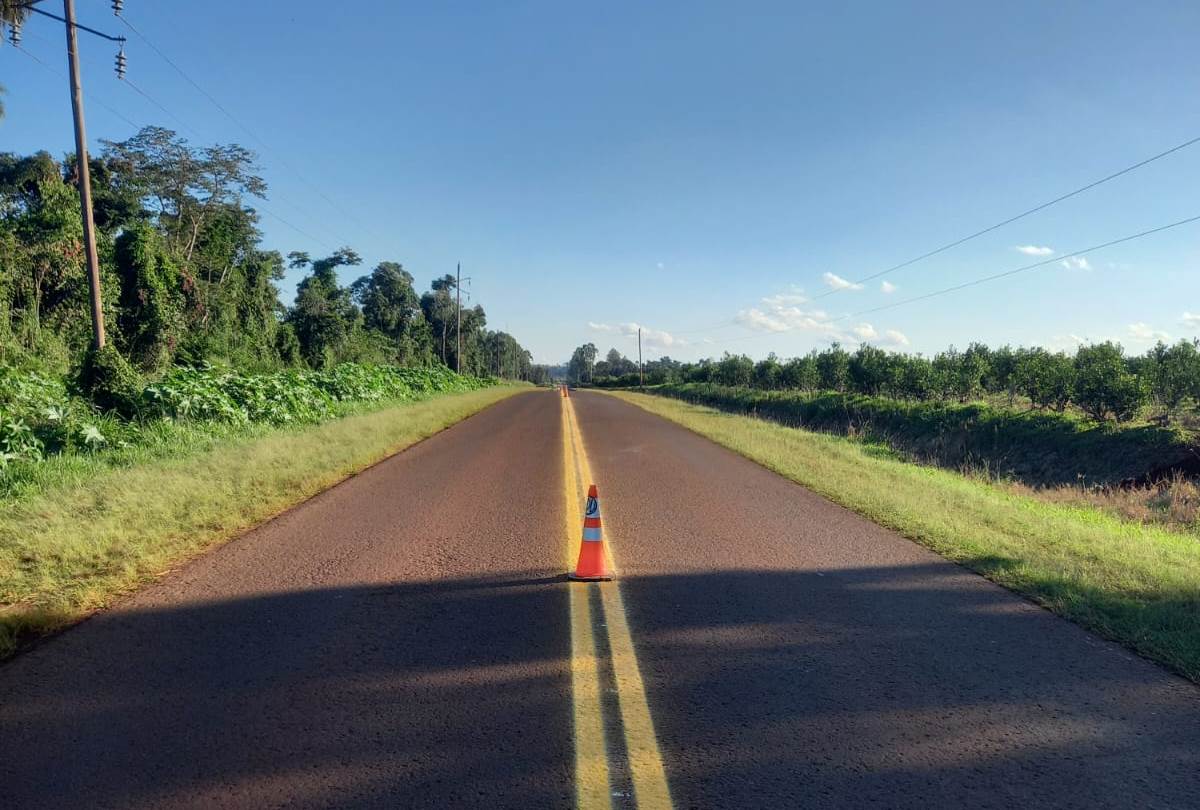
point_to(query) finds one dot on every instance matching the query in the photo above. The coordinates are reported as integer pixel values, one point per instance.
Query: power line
(191, 131)
(985, 279)
(62, 75)
(1007, 273)
(182, 123)
(316, 189)
(1019, 216)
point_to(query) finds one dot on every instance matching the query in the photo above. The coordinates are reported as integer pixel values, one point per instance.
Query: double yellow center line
(592, 778)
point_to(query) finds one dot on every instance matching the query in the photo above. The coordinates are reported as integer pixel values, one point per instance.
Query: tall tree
(440, 308)
(390, 306)
(324, 314)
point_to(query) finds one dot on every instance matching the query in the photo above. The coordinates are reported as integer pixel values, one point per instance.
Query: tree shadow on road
(898, 686)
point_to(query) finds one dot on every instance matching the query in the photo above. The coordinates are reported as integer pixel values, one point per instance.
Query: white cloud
(1076, 263)
(864, 331)
(650, 337)
(838, 283)
(777, 317)
(1143, 332)
(757, 319)
(786, 299)
(1034, 250)
(887, 288)
(1067, 343)
(774, 314)
(1191, 320)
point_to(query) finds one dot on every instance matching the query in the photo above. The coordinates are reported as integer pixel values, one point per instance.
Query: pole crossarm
(32, 7)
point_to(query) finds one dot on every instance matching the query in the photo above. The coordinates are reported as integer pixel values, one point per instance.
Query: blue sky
(696, 168)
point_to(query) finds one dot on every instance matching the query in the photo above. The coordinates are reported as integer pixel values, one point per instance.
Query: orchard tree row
(1101, 380)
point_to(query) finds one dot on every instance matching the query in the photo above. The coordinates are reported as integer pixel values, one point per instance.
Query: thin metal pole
(85, 178)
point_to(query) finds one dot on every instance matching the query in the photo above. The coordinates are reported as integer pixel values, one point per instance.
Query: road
(407, 639)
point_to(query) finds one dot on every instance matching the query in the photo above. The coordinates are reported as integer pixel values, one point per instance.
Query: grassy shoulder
(1136, 584)
(77, 544)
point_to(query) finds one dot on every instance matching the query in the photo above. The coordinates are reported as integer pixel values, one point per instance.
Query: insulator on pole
(14, 32)
(121, 63)
(118, 6)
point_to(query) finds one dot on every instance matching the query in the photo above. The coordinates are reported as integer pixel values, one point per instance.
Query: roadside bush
(41, 417)
(212, 394)
(110, 382)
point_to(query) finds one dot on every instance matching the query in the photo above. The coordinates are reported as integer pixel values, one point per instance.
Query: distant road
(406, 639)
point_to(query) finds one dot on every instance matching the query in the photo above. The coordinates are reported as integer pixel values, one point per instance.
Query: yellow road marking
(645, 760)
(591, 754)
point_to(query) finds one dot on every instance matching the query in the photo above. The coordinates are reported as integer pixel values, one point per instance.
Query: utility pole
(85, 178)
(641, 368)
(458, 318)
(81, 153)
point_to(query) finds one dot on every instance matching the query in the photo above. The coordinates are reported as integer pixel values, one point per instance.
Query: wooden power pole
(458, 318)
(85, 178)
(641, 368)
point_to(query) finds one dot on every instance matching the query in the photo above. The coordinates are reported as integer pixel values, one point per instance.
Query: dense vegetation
(1041, 448)
(186, 279)
(1099, 381)
(196, 328)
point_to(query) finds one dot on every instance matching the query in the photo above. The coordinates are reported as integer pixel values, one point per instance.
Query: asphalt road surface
(407, 639)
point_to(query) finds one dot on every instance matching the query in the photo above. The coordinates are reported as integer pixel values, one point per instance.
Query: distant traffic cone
(593, 561)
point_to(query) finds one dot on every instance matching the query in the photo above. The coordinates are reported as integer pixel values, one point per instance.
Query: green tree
(151, 300)
(833, 368)
(915, 378)
(868, 370)
(42, 265)
(768, 374)
(440, 307)
(184, 186)
(390, 305)
(734, 369)
(1103, 384)
(800, 373)
(1001, 376)
(324, 316)
(1048, 379)
(583, 359)
(1174, 374)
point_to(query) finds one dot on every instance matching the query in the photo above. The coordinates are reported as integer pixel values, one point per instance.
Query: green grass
(1136, 584)
(95, 530)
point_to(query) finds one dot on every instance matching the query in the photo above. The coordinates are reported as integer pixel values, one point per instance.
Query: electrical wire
(93, 99)
(224, 111)
(985, 279)
(61, 75)
(1015, 271)
(1022, 215)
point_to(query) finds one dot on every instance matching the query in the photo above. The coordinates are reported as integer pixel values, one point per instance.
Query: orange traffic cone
(593, 561)
(564, 390)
